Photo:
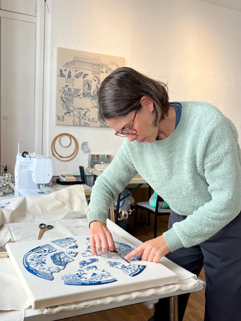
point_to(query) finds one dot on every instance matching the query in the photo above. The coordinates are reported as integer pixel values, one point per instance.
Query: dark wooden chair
(146, 206)
(82, 173)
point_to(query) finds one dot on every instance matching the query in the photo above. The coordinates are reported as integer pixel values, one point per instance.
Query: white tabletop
(133, 181)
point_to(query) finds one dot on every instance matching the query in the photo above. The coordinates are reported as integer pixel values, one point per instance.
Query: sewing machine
(32, 171)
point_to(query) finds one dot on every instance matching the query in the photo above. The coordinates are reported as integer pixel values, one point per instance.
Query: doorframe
(39, 75)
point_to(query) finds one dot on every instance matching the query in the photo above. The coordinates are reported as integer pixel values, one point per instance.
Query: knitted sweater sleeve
(109, 184)
(222, 169)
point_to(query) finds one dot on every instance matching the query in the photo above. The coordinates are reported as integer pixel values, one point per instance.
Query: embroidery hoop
(60, 157)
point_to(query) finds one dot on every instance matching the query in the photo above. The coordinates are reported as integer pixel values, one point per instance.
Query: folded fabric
(66, 200)
(12, 294)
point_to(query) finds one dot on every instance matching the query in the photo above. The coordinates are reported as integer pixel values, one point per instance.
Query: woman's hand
(151, 250)
(100, 238)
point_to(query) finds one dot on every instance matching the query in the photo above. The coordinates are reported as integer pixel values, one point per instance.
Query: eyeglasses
(128, 130)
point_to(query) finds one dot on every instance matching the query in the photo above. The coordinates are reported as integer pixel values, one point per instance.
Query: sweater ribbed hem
(96, 217)
(172, 240)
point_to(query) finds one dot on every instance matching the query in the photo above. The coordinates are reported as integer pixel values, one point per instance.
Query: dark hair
(122, 90)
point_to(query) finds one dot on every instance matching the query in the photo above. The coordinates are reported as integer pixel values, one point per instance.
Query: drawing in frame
(79, 75)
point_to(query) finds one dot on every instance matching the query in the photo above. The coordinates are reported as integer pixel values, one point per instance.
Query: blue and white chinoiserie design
(122, 248)
(45, 260)
(87, 262)
(71, 253)
(87, 253)
(61, 259)
(78, 278)
(67, 243)
(128, 269)
(89, 275)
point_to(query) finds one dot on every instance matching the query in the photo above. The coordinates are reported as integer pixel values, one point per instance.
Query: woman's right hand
(100, 238)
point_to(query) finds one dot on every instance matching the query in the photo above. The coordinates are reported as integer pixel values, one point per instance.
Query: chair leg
(117, 208)
(135, 220)
(155, 225)
(148, 220)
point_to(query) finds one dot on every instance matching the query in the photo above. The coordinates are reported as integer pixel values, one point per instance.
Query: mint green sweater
(196, 170)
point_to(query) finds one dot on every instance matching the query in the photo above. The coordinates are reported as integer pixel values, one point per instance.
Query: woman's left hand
(151, 250)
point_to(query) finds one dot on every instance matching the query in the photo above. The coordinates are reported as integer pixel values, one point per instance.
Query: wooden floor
(139, 312)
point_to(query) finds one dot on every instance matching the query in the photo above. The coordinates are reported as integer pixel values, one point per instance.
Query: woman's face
(143, 123)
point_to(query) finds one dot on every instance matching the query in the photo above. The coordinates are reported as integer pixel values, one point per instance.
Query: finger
(157, 257)
(151, 256)
(98, 244)
(104, 244)
(134, 252)
(140, 254)
(146, 254)
(92, 244)
(110, 241)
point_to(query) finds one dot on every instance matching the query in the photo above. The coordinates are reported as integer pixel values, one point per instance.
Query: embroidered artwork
(42, 263)
(51, 274)
(122, 248)
(128, 269)
(67, 243)
(87, 262)
(71, 253)
(87, 253)
(38, 263)
(61, 259)
(79, 75)
(89, 275)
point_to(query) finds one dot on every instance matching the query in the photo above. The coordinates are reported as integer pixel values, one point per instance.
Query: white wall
(192, 45)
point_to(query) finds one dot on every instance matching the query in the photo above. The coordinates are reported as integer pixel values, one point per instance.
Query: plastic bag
(127, 202)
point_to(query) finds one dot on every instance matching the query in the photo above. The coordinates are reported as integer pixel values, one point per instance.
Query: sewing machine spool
(59, 138)
(25, 153)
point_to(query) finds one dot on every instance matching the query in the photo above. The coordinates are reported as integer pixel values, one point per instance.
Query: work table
(187, 281)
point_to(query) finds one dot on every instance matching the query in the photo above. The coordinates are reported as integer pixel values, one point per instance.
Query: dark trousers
(221, 257)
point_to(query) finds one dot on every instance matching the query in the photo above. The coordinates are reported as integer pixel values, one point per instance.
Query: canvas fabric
(69, 199)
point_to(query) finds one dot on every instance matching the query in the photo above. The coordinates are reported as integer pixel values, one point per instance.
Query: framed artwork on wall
(79, 75)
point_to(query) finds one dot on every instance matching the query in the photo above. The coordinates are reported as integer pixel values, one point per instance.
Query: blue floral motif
(67, 95)
(87, 253)
(45, 260)
(122, 248)
(89, 275)
(36, 261)
(87, 262)
(61, 259)
(129, 269)
(67, 243)
(71, 253)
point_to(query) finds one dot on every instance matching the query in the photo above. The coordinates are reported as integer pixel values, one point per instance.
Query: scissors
(43, 227)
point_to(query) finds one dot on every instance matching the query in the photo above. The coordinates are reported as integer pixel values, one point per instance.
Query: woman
(188, 153)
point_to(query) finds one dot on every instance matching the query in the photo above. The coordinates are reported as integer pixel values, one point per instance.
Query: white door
(17, 89)
(27, 7)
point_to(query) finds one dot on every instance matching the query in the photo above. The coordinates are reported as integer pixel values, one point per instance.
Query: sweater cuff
(96, 217)
(172, 240)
